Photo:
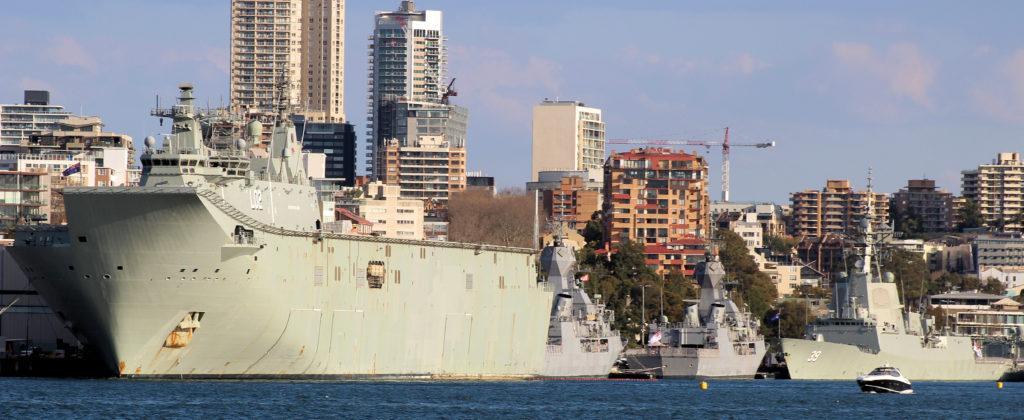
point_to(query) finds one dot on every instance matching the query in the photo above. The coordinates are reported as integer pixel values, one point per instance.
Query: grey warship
(216, 266)
(715, 340)
(868, 327)
(581, 342)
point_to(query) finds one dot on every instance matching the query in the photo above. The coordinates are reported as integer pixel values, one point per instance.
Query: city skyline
(921, 90)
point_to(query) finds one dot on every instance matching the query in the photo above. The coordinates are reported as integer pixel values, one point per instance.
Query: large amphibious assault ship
(715, 340)
(217, 266)
(581, 341)
(868, 327)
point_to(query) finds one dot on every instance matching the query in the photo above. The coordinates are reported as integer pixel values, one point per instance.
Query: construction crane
(708, 144)
(449, 92)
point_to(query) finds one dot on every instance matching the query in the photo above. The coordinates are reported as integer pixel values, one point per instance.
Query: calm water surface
(106, 398)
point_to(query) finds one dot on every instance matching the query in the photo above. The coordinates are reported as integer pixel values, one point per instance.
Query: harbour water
(118, 398)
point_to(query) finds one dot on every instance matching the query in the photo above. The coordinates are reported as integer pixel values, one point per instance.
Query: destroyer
(581, 341)
(217, 266)
(867, 327)
(715, 340)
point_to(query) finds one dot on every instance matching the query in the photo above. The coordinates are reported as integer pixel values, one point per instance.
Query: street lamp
(661, 297)
(643, 313)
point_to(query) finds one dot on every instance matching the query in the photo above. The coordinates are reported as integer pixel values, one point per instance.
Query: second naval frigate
(218, 265)
(581, 341)
(868, 327)
(715, 340)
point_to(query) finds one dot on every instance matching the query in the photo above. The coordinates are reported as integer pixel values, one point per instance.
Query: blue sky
(912, 89)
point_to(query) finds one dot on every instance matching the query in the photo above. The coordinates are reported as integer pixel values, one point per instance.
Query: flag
(655, 339)
(585, 277)
(977, 350)
(73, 169)
(776, 317)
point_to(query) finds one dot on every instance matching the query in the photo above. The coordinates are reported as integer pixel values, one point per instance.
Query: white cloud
(903, 70)
(67, 51)
(736, 63)
(1004, 98)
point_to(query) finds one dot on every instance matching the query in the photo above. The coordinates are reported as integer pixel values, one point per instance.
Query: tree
(994, 287)
(794, 315)
(479, 217)
(970, 215)
(911, 272)
(593, 233)
(780, 244)
(756, 288)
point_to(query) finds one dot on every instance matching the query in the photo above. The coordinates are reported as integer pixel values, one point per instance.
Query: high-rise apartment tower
(407, 63)
(301, 40)
(567, 136)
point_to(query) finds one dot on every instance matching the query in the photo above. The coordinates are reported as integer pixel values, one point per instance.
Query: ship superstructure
(217, 266)
(580, 339)
(868, 327)
(715, 340)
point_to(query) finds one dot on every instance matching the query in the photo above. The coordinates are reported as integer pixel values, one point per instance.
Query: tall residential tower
(301, 40)
(407, 63)
(567, 136)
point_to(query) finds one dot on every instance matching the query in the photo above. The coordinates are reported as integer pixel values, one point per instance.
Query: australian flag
(73, 169)
(776, 316)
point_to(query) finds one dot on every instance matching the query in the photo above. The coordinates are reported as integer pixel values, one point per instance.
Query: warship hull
(820, 360)
(578, 358)
(694, 363)
(157, 281)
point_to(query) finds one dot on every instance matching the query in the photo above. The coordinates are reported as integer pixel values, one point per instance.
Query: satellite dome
(149, 141)
(240, 144)
(254, 129)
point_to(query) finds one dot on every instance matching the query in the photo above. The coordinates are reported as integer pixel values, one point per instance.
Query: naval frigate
(217, 266)
(715, 340)
(580, 340)
(868, 327)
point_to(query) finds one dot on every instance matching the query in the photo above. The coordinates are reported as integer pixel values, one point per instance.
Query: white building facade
(566, 136)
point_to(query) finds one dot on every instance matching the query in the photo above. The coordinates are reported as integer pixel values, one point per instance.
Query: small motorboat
(885, 380)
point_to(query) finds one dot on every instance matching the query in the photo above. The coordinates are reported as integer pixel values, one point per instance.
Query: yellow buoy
(999, 385)
(704, 385)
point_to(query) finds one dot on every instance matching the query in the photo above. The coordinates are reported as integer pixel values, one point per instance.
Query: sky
(911, 89)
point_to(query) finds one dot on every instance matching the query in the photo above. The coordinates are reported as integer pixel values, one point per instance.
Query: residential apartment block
(837, 208)
(998, 190)
(571, 202)
(36, 115)
(391, 215)
(298, 41)
(655, 196)
(424, 151)
(921, 200)
(428, 169)
(407, 62)
(566, 136)
(24, 198)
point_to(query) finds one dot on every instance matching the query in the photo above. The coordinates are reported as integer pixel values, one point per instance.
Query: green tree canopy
(970, 215)
(756, 288)
(994, 287)
(780, 245)
(911, 275)
(794, 315)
